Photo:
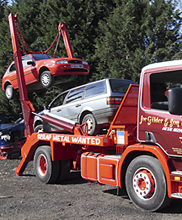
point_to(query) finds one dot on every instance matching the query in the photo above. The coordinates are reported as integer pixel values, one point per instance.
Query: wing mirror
(31, 62)
(175, 101)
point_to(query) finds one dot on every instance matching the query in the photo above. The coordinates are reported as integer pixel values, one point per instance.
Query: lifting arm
(67, 43)
(26, 105)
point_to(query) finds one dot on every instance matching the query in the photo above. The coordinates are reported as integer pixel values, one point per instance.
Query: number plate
(76, 66)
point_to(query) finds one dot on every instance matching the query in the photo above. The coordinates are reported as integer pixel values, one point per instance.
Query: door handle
(58, 110)
(78, 105)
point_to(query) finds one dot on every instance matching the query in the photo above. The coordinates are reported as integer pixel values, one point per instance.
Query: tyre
(46, 79)
(9, 92)
(46, 170)
(146, 184)
(89, 118)
(64, 166)
(38, 128)
(16, 135)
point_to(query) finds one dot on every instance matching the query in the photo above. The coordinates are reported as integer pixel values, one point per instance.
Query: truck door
(158, 125)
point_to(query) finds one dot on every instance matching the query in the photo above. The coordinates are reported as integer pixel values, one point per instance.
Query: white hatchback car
(95, 103)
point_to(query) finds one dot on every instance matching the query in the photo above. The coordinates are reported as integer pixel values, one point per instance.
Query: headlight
(62, 62)
(84, 62)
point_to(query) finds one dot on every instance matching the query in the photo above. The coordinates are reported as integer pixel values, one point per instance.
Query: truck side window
(158, 96)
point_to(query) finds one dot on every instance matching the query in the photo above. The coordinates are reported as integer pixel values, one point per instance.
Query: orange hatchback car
(44, 71)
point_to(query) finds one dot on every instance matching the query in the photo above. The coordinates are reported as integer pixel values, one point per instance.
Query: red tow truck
(141, 152)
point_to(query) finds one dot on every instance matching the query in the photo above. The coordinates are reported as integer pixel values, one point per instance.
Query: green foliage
(116, 37)
(137, 33)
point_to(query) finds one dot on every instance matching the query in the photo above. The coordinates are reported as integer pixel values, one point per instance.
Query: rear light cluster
(114, 101)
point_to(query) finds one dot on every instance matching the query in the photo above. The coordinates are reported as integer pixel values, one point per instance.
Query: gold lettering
(172, 122)
(143, 119)
(166, 122)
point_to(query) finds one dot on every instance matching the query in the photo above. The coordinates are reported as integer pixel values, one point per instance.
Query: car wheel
(46, 79)
(9, 92)
(146, 183)
(89, 118)
(46, 170)
(38, 128)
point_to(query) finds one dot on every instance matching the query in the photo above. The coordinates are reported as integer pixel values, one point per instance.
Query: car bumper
(67, 70)
(105, 116)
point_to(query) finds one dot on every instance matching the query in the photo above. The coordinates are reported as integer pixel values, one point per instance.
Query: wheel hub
(45, 79)
(89, 122)
(8, 92)
(42, 164)
(143, 184)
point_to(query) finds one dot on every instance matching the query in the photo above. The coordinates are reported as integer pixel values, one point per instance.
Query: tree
(137, 33)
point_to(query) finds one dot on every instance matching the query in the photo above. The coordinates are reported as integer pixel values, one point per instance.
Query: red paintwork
(26, 105)
(43, 164)
(161, 123)
(127, 112)
(32, 72)
(12, 150)
(67, 43)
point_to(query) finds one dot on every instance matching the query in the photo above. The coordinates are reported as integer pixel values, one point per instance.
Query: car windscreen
(41, 56)
(120, 85)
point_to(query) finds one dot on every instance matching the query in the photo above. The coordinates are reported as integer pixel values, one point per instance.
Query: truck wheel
(64, 170)
(9, 92)
(146, 183)
(89, 118)
(46, 170)
(46, 79)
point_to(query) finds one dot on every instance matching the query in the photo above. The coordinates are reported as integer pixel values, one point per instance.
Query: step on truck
(141, 152)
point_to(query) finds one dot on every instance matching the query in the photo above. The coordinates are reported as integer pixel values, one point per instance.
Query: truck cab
(159, 110)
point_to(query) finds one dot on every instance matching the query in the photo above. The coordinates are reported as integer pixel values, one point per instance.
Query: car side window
(12, 68)
(75, 95)
(59, 100)
(25, 59)
(95, 89)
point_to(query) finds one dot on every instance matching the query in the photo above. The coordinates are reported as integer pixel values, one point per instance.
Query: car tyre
(9, 92)
(46, 79)
(38, 128)
(92, 125)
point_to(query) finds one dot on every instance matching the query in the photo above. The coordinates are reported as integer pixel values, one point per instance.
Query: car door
(57, 105)
(73, 105)
(29, 69)
(55, 108)
(12, 75)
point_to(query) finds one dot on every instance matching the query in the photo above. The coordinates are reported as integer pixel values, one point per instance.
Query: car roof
(77, 87)
(106, 79)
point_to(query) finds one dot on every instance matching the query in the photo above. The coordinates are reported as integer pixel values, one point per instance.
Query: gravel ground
(25, 198)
